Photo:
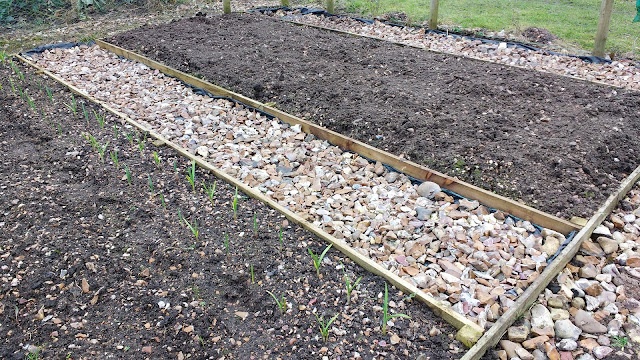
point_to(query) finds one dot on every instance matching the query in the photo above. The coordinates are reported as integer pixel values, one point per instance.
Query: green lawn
(573, 21)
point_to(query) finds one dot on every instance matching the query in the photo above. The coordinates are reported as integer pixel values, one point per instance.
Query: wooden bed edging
(597, 82)
(468, 331)
(495, 333)
(407, 167)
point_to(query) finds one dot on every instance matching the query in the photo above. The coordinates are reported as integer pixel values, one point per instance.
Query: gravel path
(622, 73)
(592, 309)
(457, 250)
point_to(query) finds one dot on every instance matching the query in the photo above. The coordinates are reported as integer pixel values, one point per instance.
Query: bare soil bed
(558, 144)
(95, 266)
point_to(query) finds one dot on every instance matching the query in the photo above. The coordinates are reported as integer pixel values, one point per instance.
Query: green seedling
(114, 158)
(619, 341)
(156, 158)
(193, 228)
(85, 113)
(209, 190)
(141, 146)
(317, 260)
(100, 119)
(30, 102)
(234, 205)
(101, 150)
(282, 305)
(180, 217)
(39, 84)
(253, 280)
(128, 173)
(164, 206)
(92, 141)
(385, 311)
(13, 87)
(226, 243)
(49, 94)
(191, 175)
(280, 238)
(59, 128)
(175, 167)
(34, 355)
(115, 129)
(350, 286)
(72, 106)
(3, 56)
(130, 138)
(151, 186)
(324, 326)
(255, 226)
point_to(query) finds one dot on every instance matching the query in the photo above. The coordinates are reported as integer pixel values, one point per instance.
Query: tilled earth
(95, 264)
(558, 144)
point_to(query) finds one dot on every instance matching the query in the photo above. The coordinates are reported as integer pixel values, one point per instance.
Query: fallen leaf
(242, 314)
(85, 286)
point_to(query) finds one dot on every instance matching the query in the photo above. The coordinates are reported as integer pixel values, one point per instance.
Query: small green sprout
(255, 225)
(282, 305)
(49, 94)
(100, 119)
(280, 238)
(101, 150)
(156, 158)
(13, 87)
(130, 138)
(234, 205)
(317, 260)
(163, 203)
(253, 280)
(193, 228)
(191, 175)
(350, 286)
(128, 173)
(209, 190)
(59, 128)
(324, 326)
(141, 146)
(385, 311)
(114, 158)
(34, 355)
(115, 129)
(151, 186)
(85, 113)
(72, 106)
(175, 167)
(226, 243)
(3, 55)
(619, 341)
(180, 217)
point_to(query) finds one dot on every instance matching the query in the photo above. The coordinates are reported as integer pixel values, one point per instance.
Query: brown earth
(86, 258)
(558, 144)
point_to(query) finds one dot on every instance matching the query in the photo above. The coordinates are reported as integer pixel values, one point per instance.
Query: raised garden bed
(93, 265)
(558, 144)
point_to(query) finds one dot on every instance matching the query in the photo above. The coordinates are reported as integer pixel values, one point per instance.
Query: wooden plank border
(495, 333)
(469, 332)
(597, 82)
(412, 169)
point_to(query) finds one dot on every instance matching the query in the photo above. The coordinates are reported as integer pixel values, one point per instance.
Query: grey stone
(566, 330)
(588, 324)
(428, 189)
(518, 333)
(423, 213)
(567, 345)
(588, 271)
(578, 303)
(601, 352)
(555, 302)
(607, 244)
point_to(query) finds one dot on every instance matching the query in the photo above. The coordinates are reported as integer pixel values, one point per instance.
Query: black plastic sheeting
(204, 92)
(310, 11)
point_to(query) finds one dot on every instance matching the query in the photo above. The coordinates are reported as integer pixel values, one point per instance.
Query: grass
(253, 280)
(255, 226)
(156, 158)
(282, 305)
(193, 227)
(234, 205)
(324, 326)
(128, 173)
(385, 311)
(99, 118)
(210, 190)
(574, 22)
(317, 260)
(226, 243)
(72, 106)
(101, 150)
(49, 94)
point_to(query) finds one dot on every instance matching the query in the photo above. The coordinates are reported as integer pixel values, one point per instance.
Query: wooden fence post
(433, 19)
(226, 6)
(603, 27)
(284, 3)
(330, 8)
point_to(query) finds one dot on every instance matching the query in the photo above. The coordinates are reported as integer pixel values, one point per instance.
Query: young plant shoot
(234, 205)
(128, 173)
(191, 175)
(282, 304)
(385, 311)
(324, 326)
(317, 260)
(350, 286)
(114, 158)
(209, 190)
(193, 228)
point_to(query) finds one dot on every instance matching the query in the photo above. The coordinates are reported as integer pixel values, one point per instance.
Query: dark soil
(539, 35)
(86, 258)
(560, 145)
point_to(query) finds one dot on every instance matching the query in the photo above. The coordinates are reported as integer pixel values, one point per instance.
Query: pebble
(565, 329)
(588, 324)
